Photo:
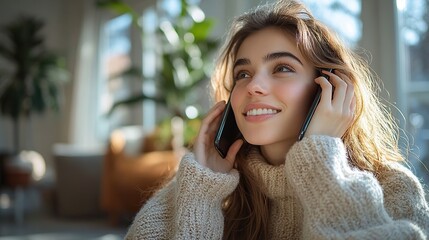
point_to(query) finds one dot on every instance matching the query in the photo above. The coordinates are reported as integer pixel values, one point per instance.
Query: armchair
(128, 181)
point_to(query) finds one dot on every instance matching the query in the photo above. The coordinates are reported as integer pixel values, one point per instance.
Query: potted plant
(185, 61)
(29, 80)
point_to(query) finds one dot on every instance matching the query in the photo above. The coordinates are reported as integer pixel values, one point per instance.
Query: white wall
(44, 129)
(63, 21)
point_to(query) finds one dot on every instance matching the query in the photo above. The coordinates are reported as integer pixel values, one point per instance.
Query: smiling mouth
(261, 111)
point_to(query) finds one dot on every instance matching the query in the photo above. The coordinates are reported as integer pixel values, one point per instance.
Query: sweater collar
(272, 178)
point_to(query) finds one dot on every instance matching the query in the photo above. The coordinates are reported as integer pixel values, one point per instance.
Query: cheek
(236, 99)
(295, 95)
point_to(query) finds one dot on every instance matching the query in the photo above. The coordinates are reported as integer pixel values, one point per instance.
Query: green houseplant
(30, 76)
(185, 56)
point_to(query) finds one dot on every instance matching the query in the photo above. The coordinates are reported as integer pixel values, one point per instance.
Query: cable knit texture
(189, 207)
(316, 194)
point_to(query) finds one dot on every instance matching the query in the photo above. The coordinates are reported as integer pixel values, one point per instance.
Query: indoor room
(101, 99)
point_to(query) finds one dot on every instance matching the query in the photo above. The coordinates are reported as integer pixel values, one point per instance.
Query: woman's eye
(241, 75)
(283, 68)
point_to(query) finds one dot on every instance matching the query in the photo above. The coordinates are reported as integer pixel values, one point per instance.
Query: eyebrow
(268, 57)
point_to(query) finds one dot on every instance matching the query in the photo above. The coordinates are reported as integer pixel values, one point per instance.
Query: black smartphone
(227, 132)
(313, 106)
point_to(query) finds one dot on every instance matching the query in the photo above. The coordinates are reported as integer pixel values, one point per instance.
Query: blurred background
(100, 98)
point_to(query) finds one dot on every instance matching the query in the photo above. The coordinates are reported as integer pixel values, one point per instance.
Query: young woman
(343, 180)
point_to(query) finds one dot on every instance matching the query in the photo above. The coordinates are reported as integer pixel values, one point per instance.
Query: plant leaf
(119, 7)
(201, 30)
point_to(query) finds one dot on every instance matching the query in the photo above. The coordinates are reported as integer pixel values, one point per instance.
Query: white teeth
(261, 111)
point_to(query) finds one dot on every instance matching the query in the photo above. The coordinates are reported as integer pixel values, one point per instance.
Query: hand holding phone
(205, 153)
(313, 107)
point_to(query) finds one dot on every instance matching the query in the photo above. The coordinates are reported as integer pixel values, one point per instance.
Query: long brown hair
(371, 140)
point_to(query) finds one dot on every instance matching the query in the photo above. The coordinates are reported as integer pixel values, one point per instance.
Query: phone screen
(313, 107)
(227, 132)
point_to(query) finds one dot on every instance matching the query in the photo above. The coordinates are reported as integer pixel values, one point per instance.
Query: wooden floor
(47, 227)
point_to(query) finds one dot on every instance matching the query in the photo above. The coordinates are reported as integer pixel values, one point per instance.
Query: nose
(258, 85)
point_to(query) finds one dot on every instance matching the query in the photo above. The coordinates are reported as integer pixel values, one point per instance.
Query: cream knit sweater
(316, 194)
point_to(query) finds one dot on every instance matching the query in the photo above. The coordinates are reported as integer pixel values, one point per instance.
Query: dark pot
(18, 171)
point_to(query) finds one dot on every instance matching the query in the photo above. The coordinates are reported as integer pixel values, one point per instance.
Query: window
(149, 59)
(115, 47)
(331, 12)
(413, 26)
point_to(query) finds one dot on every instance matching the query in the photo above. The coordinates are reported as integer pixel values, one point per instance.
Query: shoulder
(397, 178)
(402, 190)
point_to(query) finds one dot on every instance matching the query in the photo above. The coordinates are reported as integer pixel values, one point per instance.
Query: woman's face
(273, 90)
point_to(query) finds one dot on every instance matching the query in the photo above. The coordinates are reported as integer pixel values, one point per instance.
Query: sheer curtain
(83, 114)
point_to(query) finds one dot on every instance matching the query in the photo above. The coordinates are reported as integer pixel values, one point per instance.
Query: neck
(275, 153)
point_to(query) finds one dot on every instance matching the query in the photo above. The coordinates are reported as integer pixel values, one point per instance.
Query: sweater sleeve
(404, 197)
(189, 207)
(342, 202)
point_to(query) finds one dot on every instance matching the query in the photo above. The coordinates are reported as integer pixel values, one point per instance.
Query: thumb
(233, 150)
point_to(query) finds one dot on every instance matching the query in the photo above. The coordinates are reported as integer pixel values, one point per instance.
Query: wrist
(203, 183)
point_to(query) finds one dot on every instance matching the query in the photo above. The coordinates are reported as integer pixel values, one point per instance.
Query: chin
(259, 139)
(268, 137)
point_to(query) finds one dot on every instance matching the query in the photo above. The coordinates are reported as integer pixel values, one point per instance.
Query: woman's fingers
(326, 96)
(214, 112)
(204, 149)
(211, 116)
(342, 87)
(337, 105)
(205, 133)
(233, 150)
(349, 95)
